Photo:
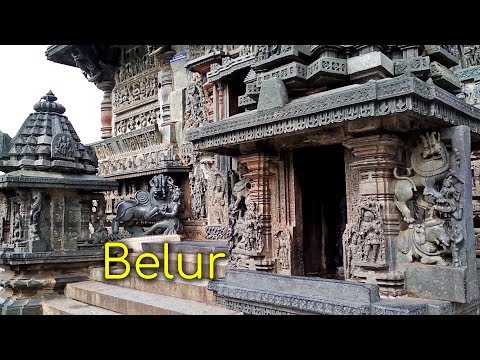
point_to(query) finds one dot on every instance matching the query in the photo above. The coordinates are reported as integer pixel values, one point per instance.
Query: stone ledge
(51, 257)
(268, 294)
(404, 94)
(292, 294)
(436, 282)
(371, 65)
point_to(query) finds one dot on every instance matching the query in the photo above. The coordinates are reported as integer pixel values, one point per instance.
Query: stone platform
(264, 294)
(29, 279)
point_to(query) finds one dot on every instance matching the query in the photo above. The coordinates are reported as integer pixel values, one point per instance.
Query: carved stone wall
(434, 198)
(369, 239)
(249, 228)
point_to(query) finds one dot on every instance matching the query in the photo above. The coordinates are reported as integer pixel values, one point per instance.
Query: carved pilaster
(4, 207)
(86, 212)
(73, 216)
(221, 108)
(57, 207)
(373, 219)
(165, 83)
(106, 108)
(250, 240)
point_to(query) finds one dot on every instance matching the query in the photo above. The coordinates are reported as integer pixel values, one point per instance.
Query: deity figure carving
(250, 237)
(159, 206)
(17, 228)
(429, 201)
(218, 200)
(35, 215)
(98, 219)
(365, 237)
(282, 241)
(244, 230)
(471, 55)
(198, 186)
(63, 146)
(370, 235)
(196, 100)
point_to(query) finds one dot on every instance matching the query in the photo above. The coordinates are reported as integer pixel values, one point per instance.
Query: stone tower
(49, 199)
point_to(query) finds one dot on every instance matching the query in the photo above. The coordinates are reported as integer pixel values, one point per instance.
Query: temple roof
(48, 142)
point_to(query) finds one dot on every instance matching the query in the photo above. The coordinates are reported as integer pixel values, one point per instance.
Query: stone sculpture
(433, 232)
(218, 200)
(244, 230)
(430, 161)
(160, 205)
(366, 236)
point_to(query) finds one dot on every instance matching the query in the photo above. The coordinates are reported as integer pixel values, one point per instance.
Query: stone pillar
(106, 108)
(221, 93)
(57, 206)
(165, 79)
(86, 212)
(375, 157)
(73, 217)
(24, 209)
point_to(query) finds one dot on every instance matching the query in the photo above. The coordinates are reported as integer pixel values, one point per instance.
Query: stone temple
(337, 179)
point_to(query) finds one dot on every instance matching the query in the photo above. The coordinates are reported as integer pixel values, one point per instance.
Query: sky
(26, 75)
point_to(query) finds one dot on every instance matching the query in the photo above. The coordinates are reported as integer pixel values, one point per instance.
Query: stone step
(135, 302)
(66, 306)
(195, 289)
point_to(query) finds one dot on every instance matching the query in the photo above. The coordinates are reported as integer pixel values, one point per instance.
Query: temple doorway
(322, 214)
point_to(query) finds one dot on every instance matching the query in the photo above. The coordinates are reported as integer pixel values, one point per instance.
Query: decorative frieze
(136, 92)
(229, 66)
(442, 53)
(417, 65)
(269, 56)
(471, 55)
(138, 120)
(445, 78)
(136, 61)
(197, 103)
(406, 94)
(293, 70)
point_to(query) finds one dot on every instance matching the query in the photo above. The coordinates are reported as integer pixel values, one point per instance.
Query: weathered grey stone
(399, 307)
(470, 73)
(254, 292)
(419, 65)
(444, 77)
(5, 140)
(135, 302)
(374, 65)
(273, 94)
(461, 142)
(66, 306)
(436, 282)
(437, 53)
(270, 56)
(289, 73)
(195, 289)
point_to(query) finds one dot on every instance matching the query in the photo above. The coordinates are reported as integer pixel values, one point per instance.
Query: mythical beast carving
(160, 205)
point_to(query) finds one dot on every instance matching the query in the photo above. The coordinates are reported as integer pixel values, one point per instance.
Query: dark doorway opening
(320, 173)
